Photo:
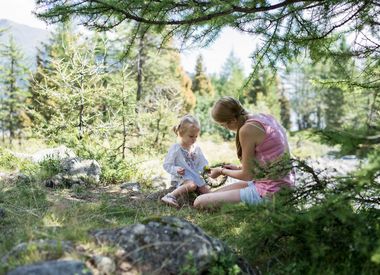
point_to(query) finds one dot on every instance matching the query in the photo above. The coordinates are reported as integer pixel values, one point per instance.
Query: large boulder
(170, 245)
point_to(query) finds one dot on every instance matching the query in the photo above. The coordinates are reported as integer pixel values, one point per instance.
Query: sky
(214, 56)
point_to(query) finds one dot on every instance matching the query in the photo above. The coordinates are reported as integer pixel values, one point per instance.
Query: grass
(33, 212)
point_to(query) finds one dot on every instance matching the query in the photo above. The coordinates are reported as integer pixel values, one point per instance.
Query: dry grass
(218, 152)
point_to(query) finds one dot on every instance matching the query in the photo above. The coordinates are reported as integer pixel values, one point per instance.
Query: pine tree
(284, 104)
(232, 78)
(13, 82)
(201, 84)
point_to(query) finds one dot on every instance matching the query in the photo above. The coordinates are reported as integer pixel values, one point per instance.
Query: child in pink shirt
(263, 150)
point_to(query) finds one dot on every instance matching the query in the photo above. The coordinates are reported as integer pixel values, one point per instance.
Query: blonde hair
(185, 123)
(225, 110)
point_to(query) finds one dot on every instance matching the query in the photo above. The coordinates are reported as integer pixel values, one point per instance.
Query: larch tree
(43, 106)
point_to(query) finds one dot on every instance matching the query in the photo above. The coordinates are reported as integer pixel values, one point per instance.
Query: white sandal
(170, 200)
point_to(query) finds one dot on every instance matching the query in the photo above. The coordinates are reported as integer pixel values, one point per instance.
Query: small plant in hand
(213, 183)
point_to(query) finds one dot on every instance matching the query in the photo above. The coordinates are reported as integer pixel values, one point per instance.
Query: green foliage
(352, 141)
(162, 109)
(285, 112)
(223, 264)
(201, 83)
(231, 80)
(306, 144)
(321, 227)
(13, 93)
(116, 170)
(280, 238)
(187, 92)
(48, 168)
(9, 162)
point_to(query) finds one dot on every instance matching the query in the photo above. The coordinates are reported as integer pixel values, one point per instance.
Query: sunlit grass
(34, 212)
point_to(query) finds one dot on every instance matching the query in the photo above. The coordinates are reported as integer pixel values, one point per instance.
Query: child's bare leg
(187, 187)
(216, 198)
(236, 185)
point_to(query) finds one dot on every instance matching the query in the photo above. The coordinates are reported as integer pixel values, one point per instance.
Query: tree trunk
(140, 64)
(11, 97)
(81, 110)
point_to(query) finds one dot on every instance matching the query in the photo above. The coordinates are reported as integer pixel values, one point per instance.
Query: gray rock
(77, 166)
(53, 268)
(168, 245)
(104, 265)
(48, 249)
(75, 171)
(131, 186)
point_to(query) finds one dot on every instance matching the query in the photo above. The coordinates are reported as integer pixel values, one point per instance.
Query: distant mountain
(27, 38)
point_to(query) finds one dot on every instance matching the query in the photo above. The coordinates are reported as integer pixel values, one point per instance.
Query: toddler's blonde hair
(185, 123)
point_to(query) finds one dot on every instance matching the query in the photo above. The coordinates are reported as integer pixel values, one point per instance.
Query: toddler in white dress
(185, 161)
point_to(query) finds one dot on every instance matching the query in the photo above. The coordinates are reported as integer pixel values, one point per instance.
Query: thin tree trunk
(123, 146)
(140, 64)
(81, 110)
(158, 130)
(11, 97)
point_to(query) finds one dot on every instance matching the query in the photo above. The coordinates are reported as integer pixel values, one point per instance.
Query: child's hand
(181, 171)
(215, 172)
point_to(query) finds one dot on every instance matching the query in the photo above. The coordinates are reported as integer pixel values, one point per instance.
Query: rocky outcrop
(72, 169)
(166, 245)
(169, 245)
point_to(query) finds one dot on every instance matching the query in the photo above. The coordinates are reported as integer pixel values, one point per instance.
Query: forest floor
(32, 211)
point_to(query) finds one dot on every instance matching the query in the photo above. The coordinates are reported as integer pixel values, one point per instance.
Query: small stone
(120, 253)
(131, 186)
(105, 265)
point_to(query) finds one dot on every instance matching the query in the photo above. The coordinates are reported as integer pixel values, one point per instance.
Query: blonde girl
(185, 160)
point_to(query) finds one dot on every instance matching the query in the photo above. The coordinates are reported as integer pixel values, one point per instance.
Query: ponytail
(176, 129)
(183, 124)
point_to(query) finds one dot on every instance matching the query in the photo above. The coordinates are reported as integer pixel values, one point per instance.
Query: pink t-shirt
(275, 144)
